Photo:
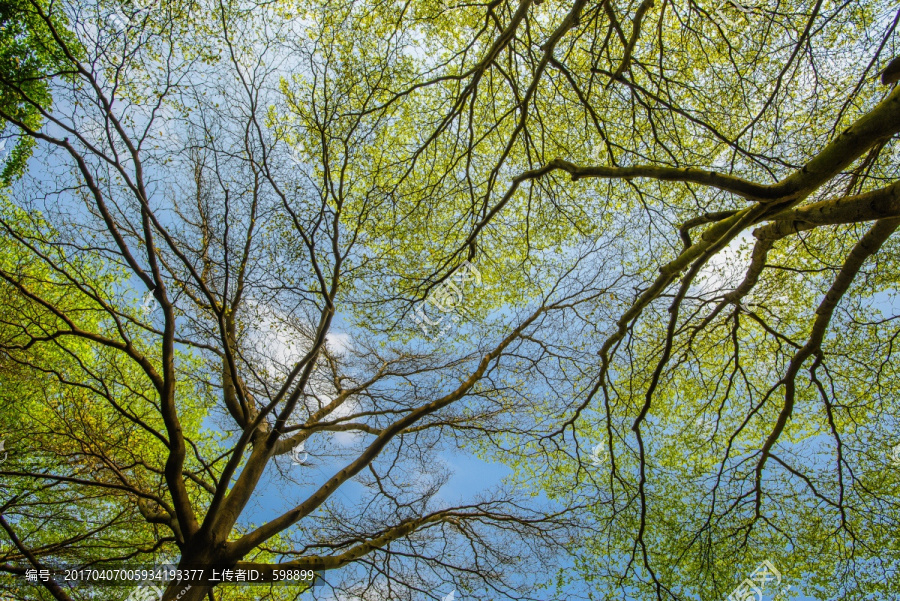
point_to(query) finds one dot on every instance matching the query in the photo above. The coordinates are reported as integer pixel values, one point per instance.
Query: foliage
(681, 336)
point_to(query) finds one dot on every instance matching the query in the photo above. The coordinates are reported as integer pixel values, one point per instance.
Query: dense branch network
(334, 169)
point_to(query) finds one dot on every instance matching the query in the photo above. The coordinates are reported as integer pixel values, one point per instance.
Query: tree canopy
(264, 264)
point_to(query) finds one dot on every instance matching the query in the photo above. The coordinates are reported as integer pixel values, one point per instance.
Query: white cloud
(726, 269)
(338, 342)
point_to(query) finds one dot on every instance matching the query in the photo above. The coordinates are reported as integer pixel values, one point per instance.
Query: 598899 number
(293, 575)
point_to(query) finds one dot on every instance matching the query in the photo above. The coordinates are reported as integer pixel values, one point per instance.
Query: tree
(306, 168)
(237, 244)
